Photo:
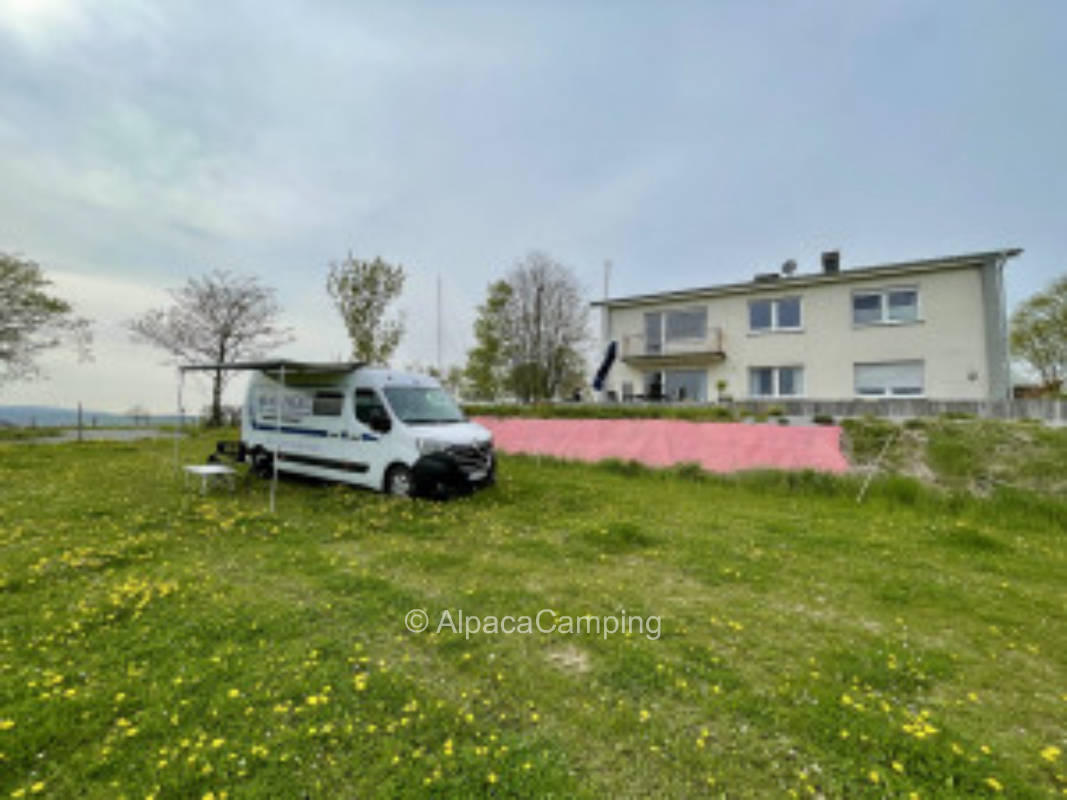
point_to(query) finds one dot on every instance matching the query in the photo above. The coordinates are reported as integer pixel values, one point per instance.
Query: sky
(142, 144)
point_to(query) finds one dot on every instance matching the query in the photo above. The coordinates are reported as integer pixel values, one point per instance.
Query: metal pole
(177, 427)
(439, 368)
(277, 433)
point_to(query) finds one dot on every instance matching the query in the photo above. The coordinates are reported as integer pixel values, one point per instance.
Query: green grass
(966, 454)
(157, 643)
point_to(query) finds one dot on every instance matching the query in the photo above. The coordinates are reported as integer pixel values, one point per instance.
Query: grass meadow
(156, 644)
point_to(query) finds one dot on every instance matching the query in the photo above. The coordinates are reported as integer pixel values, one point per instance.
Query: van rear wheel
(398, 481)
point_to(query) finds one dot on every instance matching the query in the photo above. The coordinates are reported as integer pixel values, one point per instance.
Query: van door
(368, 445)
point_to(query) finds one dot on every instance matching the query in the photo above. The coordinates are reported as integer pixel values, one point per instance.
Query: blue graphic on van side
(290, 429)
(368, 437)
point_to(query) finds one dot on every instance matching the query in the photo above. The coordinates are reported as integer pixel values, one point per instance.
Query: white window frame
(775, 327)
(889, 393)
(883, 305)
(776, 381)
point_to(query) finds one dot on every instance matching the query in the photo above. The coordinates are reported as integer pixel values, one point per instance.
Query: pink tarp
(716, 446)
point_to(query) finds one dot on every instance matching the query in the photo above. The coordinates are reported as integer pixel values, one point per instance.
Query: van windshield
(422, 406)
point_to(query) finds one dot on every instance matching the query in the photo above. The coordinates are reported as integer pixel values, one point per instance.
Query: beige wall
(949, 336)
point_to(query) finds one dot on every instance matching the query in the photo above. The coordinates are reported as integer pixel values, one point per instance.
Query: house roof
(817, 278)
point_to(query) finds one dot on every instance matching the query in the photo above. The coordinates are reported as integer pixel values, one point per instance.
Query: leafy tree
(32, 320)
(547, 321)
(1039, 333)
(486, 372)
(362, 292)
(219, 318)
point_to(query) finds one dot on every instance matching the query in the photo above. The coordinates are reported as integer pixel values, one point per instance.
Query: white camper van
(395, 432)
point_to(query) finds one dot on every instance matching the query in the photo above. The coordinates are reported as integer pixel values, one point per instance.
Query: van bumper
(440, 474)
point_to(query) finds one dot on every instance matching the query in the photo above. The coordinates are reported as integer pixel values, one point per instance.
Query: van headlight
(428, 446)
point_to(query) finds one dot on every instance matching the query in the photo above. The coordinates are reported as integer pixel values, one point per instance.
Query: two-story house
(934, 328)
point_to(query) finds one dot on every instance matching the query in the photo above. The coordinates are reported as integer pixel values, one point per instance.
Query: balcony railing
(636, 346)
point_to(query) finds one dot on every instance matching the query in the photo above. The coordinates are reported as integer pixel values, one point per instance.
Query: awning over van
(278, 365)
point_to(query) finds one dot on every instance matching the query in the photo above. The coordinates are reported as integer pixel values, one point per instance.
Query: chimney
(831, 262)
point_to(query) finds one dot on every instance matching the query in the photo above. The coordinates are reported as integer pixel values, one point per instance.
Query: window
(688, 324)
(893, 378)
(367, 401)
(673, 326)
(885, 307)
(776, 381)
(903, 305)
(419, 405)
(327, 404)
(687, 385)
(781, 314)
(653, 333)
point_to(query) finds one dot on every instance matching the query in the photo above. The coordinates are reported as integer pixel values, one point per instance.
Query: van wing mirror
(378, 420)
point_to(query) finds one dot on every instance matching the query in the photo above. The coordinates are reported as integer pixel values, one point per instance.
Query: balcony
(695, 351)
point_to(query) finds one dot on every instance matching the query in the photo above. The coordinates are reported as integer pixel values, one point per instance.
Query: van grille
(473, 458)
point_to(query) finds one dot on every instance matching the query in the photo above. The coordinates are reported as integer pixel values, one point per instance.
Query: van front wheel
(398, 481)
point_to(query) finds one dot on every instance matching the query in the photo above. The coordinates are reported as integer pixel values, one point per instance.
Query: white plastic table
(210, 473)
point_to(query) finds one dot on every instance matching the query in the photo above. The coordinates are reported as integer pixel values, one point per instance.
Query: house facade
(934, 328)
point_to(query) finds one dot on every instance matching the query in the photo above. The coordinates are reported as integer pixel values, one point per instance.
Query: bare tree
(32, 321)
(362, 292)
(218, 318)
(547, 323)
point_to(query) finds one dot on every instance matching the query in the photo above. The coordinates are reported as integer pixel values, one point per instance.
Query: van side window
(366, 401)
(327, 404)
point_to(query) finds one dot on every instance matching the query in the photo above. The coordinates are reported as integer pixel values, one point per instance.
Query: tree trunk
(216, 399)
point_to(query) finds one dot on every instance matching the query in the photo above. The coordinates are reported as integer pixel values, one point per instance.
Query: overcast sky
(690, 143)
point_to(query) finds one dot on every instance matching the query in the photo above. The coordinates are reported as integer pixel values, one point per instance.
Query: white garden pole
(177, 427)
(277, 432)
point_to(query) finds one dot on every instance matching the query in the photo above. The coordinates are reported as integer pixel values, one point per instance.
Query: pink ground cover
(716, 446)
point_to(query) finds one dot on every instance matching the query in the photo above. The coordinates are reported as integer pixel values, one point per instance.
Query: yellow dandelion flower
(994, 784)
(6, 724)
(233, 693)
(37, 788)
(644, 715)
(873, 776)
(492, 777)
(1051, 753)
(897, 766)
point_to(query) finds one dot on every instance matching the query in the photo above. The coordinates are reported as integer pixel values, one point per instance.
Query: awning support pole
(177, 427)
(277, 433)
